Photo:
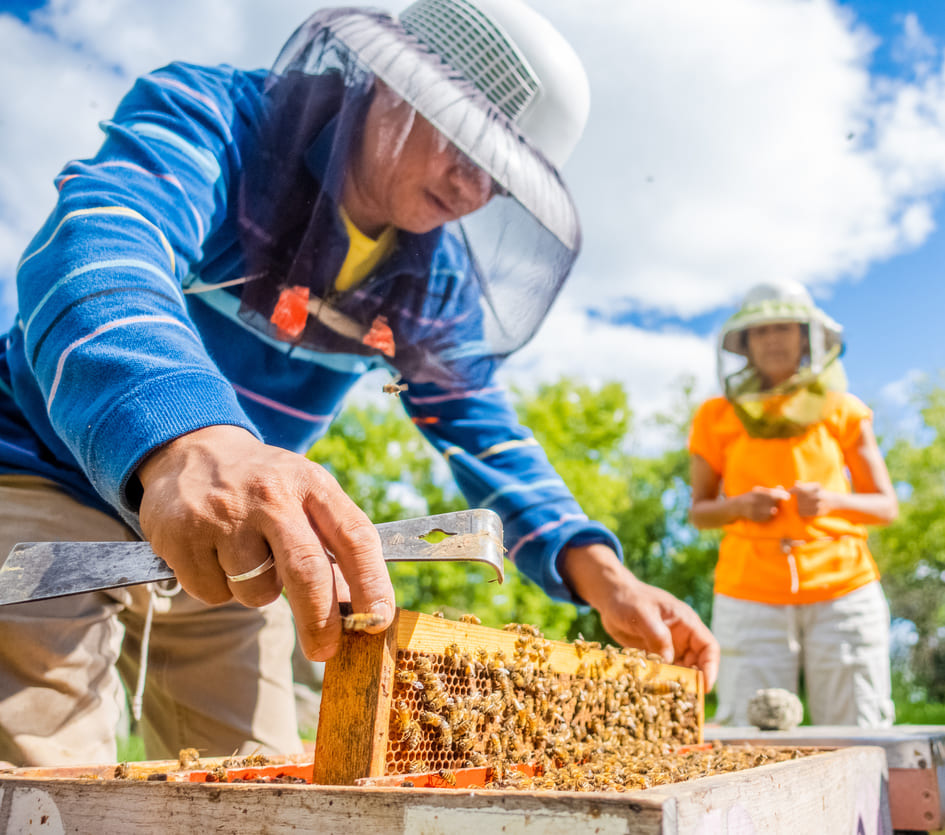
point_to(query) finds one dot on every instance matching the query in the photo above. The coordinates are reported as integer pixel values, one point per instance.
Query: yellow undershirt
(364, 253)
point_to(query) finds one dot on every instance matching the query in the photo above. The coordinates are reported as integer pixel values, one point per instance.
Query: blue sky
(729, 142)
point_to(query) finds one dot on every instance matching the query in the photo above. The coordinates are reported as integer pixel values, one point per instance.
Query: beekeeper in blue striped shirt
(245, 246)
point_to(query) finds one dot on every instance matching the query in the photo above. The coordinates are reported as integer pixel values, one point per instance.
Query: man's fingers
(356, 546)
(649, 632)
(309, 581)
(250, 570)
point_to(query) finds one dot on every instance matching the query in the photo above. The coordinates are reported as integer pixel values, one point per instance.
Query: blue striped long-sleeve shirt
(109, 357)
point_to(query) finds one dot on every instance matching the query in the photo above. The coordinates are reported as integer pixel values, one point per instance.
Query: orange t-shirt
(790, 559)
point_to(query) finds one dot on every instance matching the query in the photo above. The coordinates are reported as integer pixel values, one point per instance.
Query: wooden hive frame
(354, 738)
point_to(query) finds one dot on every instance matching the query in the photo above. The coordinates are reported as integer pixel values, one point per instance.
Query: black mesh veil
(444, 305)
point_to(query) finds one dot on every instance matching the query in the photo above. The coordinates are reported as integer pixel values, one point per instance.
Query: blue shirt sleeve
(119, 366)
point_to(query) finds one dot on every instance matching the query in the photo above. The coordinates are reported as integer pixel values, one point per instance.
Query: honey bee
(408, 678)
(466, 665)
(417, 767)
(401, 716)
(447, 776)
(423, 664)
(470, 619)
(361, 621)
(411, 736)
(581, 647)
(188, 758)
(464, 744)
(662, 688)
(492, 706)
(474, 759)
(452, 652)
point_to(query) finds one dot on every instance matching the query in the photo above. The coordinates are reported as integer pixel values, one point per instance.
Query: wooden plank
(843, 791)
(353, 721)
(115, 808)
(425, 633)
(838, 792)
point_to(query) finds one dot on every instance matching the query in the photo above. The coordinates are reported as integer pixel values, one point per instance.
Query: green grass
(131, 749)
(920, 713)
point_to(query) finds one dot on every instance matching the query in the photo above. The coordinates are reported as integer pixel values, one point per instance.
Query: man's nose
(472, 182)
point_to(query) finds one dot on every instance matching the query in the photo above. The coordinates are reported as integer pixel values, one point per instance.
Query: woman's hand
(812, 499)
(636, 614)
(218, 502)
(760, 504)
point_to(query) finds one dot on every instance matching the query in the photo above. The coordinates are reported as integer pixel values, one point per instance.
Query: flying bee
(394, 387)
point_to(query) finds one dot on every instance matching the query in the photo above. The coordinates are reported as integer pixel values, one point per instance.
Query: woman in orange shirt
(788, 465)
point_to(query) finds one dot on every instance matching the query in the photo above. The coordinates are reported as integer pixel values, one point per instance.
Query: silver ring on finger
(262, 568)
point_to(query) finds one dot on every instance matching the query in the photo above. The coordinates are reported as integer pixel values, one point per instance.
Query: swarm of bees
(607, 726)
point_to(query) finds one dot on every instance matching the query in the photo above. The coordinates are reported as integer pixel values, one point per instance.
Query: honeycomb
(469, 707)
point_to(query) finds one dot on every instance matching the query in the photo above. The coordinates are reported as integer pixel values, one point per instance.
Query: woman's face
(776, 350)
(407, 174)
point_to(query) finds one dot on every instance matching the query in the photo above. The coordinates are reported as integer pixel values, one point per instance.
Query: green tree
(383, 463)
(910, 552)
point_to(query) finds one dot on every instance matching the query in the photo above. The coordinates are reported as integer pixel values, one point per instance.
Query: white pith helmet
(780, 301)
(517, 58)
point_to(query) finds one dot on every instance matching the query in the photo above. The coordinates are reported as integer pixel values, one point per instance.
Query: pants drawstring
(153, 591)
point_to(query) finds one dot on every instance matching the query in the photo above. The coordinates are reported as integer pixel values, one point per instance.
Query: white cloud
(715, 155)
(650, 364)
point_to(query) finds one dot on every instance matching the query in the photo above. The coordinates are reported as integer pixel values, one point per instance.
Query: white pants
(842, 646)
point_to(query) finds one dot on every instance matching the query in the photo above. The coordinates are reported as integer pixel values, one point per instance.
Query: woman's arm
(873, 501)
(712, 510)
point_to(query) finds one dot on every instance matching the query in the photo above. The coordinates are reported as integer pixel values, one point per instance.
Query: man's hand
(760, 504)
(812, 499)
(218, 501)
(639, 615)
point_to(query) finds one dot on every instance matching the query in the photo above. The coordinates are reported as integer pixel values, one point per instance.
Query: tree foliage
(383, 463)
(590, 437)
(910, 552)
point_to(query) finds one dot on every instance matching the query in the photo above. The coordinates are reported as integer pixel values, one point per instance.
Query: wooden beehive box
(366, 704)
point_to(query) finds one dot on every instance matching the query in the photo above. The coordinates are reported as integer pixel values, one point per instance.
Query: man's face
(407, 174)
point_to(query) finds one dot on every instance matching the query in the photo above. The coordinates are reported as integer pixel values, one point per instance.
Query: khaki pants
(842, 646)
(219, 679)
